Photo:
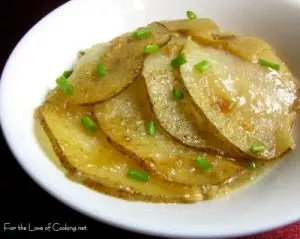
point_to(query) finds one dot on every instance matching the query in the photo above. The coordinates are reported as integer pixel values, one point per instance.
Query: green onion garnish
(67, 73)
(255, 164)
(266, 63)
(88, 123)
(204, 164)
(178, 94)
(178, 61)
(191, 15)
(138, 175)
(203, 66)
(101, 69)
(151, 48)
(257, 148)
(252, 165)
(142, 33)
(64, 85)
(151, 129)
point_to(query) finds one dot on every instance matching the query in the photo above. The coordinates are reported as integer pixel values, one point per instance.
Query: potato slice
(185, 25)
(209, 38)
(247, 48)
(248, 103)
(89, 58)
(123, 59)
(202, 27)
(297, 102)
(124, 120)
(92, 161)
(178, 117)
(205, 31)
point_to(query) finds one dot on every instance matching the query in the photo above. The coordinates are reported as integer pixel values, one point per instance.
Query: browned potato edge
(84, 179)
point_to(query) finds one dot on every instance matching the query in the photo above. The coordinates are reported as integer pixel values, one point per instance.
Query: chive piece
(151, 48)
(266, 63)
(252, 165)
(88, 123)
(67, 73)
(178, 94)
(61, 81)
(178, 61)
(257, 147)
(204, 164)
(68, 89)
(143, 33)
(64, 85)
(138, 175)
(203, 66)
(151, 129)
(255, 164)
(191, 15)
(101, 69)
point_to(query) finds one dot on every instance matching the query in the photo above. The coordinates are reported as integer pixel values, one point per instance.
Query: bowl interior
(51, 47)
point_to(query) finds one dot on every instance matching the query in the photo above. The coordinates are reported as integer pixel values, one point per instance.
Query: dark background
(22, 200)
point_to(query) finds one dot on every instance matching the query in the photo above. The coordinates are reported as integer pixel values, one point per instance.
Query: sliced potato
(209, 38)
(123, 59)
(92, 161)
(297, 103)
(178, 117)
(185, 25)
(297, 106)
(202, 27)
(248, 103)
(252, 49)
(124, 119)
(247, 48)
(88, 59)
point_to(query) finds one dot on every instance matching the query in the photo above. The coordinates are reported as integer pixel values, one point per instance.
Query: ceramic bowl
(51, 46)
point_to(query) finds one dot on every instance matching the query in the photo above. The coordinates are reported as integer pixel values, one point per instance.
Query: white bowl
(51, 46)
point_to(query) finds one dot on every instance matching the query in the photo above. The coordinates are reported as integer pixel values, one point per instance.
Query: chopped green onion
(142, 33)
(67, 73)
(178, 61)
(252, 165)
(255, 164)
(88, 123)
(64, 85)
(138, 175)
(61, 81)
(191, 15)
(102, 71)
(151, 48)
(178, 94)
(266, 63)
(203, 66)
(204, 164)
(68, 89)
(257, 148)
(151, 129)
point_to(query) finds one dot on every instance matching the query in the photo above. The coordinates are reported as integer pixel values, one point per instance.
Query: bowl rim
(4, 125)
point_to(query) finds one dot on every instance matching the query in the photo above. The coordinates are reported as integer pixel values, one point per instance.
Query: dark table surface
(22, 200)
